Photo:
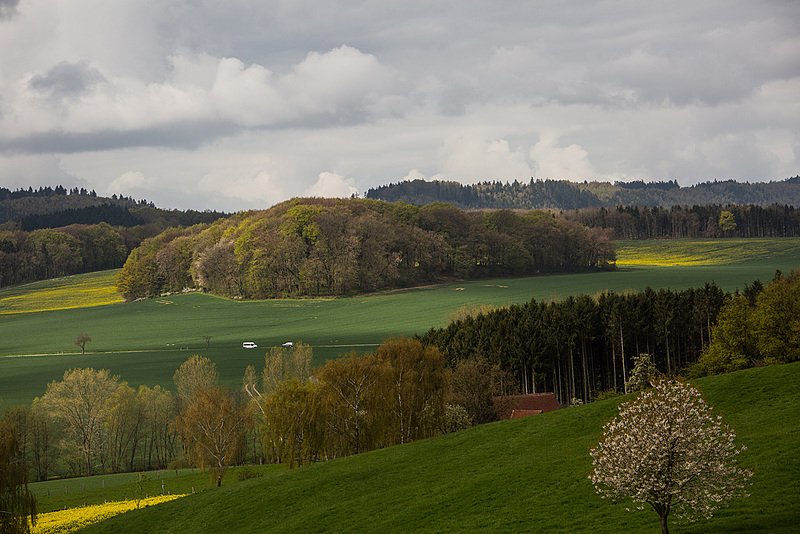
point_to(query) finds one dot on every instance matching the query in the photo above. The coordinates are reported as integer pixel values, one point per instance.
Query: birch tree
(668, 450)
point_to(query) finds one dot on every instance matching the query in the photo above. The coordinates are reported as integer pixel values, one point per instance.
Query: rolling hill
(526, 475)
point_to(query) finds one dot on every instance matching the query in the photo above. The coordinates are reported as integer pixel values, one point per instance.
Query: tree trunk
(664, 527)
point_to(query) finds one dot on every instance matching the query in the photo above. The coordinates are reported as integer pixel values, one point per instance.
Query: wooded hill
(31, 209)
(581, 346)
(46, 233)
(322, 247)
(634, 210)
(566, 195)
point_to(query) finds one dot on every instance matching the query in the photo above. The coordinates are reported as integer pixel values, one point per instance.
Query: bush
(246, 473)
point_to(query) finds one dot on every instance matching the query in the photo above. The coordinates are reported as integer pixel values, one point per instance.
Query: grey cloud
(183, 135)
(67, 80)
(703, 52)
(8, 8)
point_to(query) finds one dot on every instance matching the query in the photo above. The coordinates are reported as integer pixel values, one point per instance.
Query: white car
(249, 345)
(288, 345)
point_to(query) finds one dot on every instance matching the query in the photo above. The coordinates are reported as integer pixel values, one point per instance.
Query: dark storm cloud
(67, 80)
(8, 8)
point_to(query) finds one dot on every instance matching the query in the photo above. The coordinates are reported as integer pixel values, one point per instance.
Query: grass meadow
(525, 475)
(145, 342)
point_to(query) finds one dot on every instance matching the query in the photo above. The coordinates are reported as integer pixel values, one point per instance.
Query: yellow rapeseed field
(72, 519)
(93, 289)
(697, 252)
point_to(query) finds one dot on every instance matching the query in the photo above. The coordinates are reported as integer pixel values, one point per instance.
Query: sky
(242, 104)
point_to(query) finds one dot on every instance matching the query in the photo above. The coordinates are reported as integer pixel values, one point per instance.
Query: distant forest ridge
(47, 207)
(566, 195)
(50, 232)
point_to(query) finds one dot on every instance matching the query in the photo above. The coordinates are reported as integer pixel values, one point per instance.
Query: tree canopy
(338, 247)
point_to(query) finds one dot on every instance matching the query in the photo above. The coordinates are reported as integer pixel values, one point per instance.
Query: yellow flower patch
(95, 289)
(697, 252)
(72, 519)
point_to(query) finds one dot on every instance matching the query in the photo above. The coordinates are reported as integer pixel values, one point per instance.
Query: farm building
(516, 406)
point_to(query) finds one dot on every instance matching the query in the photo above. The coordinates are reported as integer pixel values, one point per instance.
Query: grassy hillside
(144, 342)
(526, 475)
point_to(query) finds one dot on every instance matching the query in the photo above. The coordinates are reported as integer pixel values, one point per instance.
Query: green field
(56, 494)
(144, 342)
(525, 475)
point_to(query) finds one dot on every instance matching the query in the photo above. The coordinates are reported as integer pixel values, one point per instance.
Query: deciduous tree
(667, 449)
(198, 372)
(643, 371)
(416, 388)
(81, 341)
(80, 403)
(214, 428)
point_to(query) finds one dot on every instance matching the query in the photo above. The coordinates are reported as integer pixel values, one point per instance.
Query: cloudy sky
(241, 104)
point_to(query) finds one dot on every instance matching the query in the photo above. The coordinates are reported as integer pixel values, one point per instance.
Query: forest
(677, 222)
(567, 195)
(333, 247)
(47, 233)
(583, 346)
(50, 253)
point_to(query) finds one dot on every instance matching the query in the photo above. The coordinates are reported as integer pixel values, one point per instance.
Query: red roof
(515, 406)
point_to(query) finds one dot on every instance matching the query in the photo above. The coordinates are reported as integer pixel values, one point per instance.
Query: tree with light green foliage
(727, 222)
(643, 371)
(764, 332)
(776, 319)
(732, 343)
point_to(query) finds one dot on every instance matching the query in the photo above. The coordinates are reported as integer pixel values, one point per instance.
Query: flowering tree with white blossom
(667, 449)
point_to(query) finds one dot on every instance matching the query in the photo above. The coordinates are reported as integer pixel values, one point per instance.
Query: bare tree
(667, 449)
(81, 341)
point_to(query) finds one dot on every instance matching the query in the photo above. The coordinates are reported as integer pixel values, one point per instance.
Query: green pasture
(525, 475)
(56, 494)
(144, 342)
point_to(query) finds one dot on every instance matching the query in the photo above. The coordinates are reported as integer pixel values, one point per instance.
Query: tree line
(567, 195)
(711, 220)
(536, 194)
(584, 347)
(92, 422)
(54, 233)
(50, 253)
(339, 247)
